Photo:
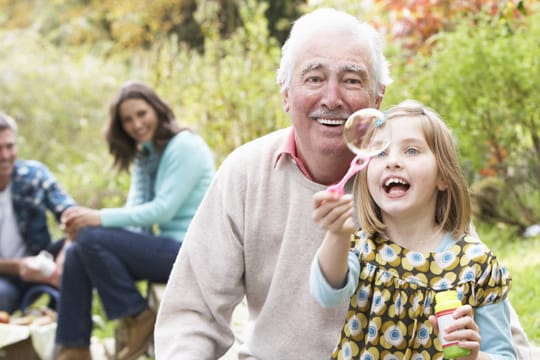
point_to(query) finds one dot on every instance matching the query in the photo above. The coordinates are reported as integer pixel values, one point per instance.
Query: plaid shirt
(34, 190)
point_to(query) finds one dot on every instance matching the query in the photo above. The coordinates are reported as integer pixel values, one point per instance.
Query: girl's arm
(324, 293)
(493, 321)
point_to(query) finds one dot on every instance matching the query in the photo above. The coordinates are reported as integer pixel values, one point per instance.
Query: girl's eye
(381, 154)
(411, 151)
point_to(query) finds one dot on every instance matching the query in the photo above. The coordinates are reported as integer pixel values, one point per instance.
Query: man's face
(8, 154)
(330, 81)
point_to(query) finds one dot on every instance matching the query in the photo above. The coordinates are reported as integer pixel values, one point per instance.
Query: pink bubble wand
(354, 130)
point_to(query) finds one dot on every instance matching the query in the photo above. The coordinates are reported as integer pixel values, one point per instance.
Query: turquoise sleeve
(493, 320)
(323, 292)
(185, 160)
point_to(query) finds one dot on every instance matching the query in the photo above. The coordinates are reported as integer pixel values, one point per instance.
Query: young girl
(113, 248)
(414, 209)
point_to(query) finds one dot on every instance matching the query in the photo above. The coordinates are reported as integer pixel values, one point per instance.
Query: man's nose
(332, 95)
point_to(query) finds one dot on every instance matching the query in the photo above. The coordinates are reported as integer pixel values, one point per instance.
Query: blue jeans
(12, 288)
(110, 260)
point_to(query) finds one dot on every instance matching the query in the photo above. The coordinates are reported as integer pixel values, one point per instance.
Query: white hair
(325, 19)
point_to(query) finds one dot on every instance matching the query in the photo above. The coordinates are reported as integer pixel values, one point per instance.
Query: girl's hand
(464, 330)
(333, 212)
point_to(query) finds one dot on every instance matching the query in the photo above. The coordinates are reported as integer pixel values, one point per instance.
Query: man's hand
(30, 271)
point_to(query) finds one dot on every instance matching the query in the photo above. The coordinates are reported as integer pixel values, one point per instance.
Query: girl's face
(404, 179)
(139, 119)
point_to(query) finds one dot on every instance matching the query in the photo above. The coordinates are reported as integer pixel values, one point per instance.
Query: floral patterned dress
(388, 314)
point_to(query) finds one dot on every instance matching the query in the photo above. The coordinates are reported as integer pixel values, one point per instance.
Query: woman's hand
(76, 217)
(464, 330)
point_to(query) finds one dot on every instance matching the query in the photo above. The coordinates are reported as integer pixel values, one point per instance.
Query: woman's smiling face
(139, 119)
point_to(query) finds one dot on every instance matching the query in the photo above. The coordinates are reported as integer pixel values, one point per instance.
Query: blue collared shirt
(34, 190)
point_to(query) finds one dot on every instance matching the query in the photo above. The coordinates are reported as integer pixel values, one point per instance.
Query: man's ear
(285, 95)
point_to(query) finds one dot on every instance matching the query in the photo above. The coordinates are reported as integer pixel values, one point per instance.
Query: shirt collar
(289, 148)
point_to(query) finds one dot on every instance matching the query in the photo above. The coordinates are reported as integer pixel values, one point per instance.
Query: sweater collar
(289, 148)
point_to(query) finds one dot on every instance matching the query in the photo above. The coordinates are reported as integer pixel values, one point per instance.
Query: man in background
(27, 191)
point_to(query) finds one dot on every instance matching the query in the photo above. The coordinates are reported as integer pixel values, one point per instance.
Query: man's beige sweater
(253, 235)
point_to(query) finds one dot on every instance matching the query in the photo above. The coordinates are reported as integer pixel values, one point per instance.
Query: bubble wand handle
(358, 163)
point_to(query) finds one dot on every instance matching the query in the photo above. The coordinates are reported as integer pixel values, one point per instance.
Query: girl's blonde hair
(453, 206)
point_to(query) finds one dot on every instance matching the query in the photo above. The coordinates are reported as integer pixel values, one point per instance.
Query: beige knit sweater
(253, 235)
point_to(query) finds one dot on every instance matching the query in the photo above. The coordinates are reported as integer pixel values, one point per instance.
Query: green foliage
(58, 99)
(122, 25)
(229, 92)
(483, 80)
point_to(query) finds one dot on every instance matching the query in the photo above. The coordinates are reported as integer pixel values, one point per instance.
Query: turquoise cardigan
(184, 173)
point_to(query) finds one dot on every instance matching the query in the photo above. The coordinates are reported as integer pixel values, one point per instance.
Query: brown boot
(74, 353)
(139, 331)
(121, 335)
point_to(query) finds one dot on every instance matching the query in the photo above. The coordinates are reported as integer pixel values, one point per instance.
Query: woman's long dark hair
(123, 147)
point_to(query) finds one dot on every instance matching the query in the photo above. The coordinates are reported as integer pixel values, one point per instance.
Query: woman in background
(113, 248)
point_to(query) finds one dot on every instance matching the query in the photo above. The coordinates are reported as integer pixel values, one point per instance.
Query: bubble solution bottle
(445, 304)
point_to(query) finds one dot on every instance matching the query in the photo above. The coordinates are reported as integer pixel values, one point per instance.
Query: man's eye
(313, 79)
